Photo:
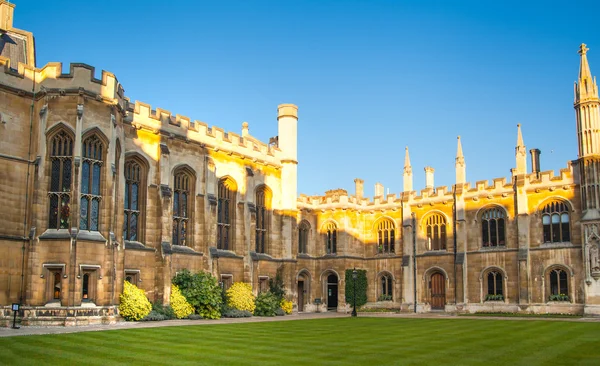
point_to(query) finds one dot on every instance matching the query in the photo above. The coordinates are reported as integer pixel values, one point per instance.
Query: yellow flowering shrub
(287, 306)
(134, 303)
(239, 296)
(179, 304)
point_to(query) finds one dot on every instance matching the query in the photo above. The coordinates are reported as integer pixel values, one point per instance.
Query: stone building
(99, 190)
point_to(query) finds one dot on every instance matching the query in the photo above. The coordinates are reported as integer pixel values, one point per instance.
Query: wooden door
(438, 291)
(332, 292)
(300, 295)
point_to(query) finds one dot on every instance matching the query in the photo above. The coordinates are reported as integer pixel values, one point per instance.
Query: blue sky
(369, 77)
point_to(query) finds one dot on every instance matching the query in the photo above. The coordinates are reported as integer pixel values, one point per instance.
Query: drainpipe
(414, 231)
(27, 189)
(455, 240)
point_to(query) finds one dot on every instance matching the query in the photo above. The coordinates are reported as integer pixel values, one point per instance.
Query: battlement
(142, 116)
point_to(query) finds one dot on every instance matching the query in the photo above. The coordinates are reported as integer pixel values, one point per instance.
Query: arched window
(182, 191)
(91, 165)
(559, 285)
(436, 232)
(330, 238)
(555, 219)
(225, 214)
(303, 231)
(134, 205)
(61, 163)
(263, 203)
(494, 286)
(386, 288)
(492, 227)
(385, 236)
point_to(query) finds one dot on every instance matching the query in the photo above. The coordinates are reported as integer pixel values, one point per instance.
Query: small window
(226, 281)
(436, 232)
(559, 285)
(132, 277)
(54, 284)
(263, 284)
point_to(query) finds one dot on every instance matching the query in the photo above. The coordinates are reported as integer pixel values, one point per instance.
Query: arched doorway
(437, 291)
(303, 290)
(332, 291)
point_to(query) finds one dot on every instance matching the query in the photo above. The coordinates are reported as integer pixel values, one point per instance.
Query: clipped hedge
(179, 304)
(361, 287)
(134, 303)
(240, 297)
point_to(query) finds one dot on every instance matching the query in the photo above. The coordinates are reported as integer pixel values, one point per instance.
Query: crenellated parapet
(160, 121)
(29, 81)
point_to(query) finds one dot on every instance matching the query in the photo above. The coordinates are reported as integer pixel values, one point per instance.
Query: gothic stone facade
(98, 190)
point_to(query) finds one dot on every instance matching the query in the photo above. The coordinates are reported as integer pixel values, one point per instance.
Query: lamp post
(354, 275)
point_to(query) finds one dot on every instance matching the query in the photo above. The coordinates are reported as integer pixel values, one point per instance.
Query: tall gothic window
(555, 219)
(494, 286)
(303, 231)
(262, 204)
(386, 288)
(330, 238)
(492, 227)
(436, 232)
(182, 188)
(225, 214)
(559, 285)
(91, 167)
(61, 162)
(133, 204)
(385, 236)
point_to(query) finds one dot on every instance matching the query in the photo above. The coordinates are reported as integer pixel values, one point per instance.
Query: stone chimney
(429, 177)
(6, 15)
(535, 160)
(379, 190)
(359, 188)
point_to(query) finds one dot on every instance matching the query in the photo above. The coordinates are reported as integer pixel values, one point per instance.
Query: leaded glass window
(92, 156)
(436, 232)
(330, 238)
(386, 289)
(495, 289)
(385, 236)
(303, 231)
(555, 220)
(225, 216)
(492, 227)
(261, 219)
(59, 195)
(181, 209)
(132, 200)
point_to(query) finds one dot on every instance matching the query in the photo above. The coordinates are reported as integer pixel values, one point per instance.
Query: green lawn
(337, 341)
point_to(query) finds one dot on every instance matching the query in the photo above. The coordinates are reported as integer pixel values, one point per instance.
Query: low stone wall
(61, 316)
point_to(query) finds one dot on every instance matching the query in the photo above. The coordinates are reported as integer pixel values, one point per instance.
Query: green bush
(384, 298)
(361, 287)
(266, 304)
(165, 310)
(240, 297)
(134, 303)
(235, 313)
(179, 305)
(559, 297)
(276, 286)
(202, 291)
(279, 312)
(492, 297)
(154, 316)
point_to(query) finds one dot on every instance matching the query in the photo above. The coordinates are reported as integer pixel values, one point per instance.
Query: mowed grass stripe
(340, 341)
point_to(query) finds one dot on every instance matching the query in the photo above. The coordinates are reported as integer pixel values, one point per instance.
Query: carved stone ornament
(165, 190)
(594, 260)
(79, 110)
(212, 199)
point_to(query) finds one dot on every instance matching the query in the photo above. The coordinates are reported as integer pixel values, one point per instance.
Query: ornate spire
(586, 106)
(585, 86)
(520, 153)
(460, 159)
(584, 67)
(407, 166)
(461, 171)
